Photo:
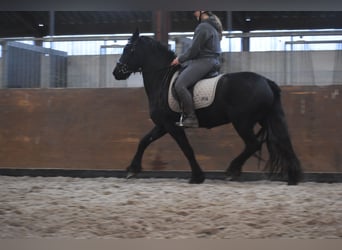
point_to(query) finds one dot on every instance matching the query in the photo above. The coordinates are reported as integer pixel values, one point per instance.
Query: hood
(212, 20)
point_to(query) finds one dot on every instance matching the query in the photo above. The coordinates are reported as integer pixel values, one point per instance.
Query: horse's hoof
(292, 183)
(197, 180)
(130, 175)
(232, 176)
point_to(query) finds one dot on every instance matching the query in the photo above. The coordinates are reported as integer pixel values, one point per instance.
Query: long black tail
(282, 158)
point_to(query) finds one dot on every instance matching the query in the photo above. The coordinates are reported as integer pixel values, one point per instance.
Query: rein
(166, 75)
(125, 70)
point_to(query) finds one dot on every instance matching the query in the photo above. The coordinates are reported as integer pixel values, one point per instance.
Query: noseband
(123, 68)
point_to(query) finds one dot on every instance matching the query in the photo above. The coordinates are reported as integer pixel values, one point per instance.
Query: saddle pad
(203, 93)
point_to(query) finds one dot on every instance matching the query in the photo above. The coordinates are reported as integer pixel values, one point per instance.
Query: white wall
(285, 68)
(1, 74)
(292, 68)
(96, 72)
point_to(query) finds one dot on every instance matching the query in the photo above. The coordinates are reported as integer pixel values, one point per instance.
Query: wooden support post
(161, 25)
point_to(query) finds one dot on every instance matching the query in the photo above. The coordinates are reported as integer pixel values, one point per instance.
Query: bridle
(124, 68)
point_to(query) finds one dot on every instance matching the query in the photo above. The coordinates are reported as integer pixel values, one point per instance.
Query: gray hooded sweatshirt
(205, 43)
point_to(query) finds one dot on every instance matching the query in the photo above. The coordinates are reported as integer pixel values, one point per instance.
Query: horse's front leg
(135, 166)
(197, 175)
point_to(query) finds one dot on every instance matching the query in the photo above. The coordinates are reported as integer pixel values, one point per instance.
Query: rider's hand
(175, 62)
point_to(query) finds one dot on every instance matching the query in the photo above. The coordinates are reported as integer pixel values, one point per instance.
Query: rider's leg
(195, 70)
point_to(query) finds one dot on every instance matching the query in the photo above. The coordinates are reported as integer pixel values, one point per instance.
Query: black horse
(244, 99)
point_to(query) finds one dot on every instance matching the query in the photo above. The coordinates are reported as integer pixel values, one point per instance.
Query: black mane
(158, 47)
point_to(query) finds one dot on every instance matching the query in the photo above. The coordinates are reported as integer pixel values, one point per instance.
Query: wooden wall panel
(100, 129)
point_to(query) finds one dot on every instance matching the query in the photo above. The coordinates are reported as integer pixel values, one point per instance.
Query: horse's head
(142, 53)
(130, 60)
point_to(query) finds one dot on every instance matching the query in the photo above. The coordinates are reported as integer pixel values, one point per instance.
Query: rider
(201, 58)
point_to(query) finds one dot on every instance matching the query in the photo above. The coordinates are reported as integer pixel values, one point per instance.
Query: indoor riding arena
(69, 130)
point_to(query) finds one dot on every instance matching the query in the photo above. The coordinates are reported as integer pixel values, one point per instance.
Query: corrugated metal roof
(26, 23)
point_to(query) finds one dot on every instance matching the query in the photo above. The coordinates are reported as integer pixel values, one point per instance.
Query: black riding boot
(188, 118)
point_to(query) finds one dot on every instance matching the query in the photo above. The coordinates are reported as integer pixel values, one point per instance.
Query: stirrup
(185, 122)
(180, 123)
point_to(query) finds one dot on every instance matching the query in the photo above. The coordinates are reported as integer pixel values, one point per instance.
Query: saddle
(203, 92)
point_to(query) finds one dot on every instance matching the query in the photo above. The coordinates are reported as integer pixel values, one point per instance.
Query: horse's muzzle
(121, 71)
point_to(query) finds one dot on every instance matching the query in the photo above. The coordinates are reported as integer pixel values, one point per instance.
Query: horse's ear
(135, 35)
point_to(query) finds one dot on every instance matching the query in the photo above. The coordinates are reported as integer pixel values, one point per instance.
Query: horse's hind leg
(245, 130)
(154, 134)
